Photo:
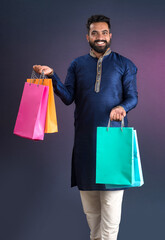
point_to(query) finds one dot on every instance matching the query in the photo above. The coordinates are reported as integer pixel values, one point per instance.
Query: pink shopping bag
(30, 122)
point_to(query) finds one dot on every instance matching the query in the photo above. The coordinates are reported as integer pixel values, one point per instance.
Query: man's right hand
(47, 70)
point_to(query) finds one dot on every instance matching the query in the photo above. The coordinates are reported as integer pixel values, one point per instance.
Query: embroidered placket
(98, 76)
(99, 69)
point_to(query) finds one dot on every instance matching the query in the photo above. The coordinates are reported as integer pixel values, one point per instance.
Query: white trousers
(103, 212)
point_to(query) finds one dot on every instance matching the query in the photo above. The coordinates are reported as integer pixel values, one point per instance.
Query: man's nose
(100, 36)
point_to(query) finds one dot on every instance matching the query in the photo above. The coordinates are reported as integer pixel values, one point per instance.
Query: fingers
(117, 114)
(39, 69)
(117, 117)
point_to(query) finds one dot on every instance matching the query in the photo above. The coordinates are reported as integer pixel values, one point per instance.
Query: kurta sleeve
(130, 94)
(66, 91)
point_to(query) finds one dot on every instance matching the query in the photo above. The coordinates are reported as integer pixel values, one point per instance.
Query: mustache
(100, 41)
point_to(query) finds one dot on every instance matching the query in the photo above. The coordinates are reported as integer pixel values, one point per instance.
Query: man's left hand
(117, 113)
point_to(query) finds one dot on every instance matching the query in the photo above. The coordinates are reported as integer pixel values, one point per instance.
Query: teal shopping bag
(114, 155)
(137, 180)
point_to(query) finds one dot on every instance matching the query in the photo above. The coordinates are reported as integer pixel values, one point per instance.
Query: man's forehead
(99, 26)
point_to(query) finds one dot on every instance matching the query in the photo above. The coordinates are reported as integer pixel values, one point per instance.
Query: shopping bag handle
(122, 124)
(34, 76)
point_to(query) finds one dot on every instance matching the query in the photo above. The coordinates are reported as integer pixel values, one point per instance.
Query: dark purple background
(36, 202)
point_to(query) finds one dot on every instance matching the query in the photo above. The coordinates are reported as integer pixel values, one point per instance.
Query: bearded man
(102, 84)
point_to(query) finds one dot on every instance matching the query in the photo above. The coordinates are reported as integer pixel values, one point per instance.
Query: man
(102, 84)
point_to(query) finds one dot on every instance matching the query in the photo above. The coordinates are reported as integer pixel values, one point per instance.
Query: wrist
(121, 107)
(51, 73)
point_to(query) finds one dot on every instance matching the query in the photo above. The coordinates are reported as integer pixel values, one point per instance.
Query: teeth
(100, 43)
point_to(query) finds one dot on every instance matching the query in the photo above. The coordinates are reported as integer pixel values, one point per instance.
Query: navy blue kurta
(92, 109)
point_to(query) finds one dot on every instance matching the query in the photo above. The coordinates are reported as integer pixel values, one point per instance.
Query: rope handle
(109, 124)
(34, 76)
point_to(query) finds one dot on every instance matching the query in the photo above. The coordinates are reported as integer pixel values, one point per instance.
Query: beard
(99, 49)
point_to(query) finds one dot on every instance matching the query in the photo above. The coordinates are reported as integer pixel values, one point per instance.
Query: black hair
(97, 18)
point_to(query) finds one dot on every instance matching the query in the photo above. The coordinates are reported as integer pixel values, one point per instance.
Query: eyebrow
(100, 31)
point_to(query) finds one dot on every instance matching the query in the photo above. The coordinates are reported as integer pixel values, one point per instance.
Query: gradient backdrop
(36, 201)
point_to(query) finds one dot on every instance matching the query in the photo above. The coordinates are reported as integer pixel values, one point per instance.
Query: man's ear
(87, 37)
(110, 35)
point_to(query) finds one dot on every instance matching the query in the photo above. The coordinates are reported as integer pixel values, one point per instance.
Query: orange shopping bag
(51, 117)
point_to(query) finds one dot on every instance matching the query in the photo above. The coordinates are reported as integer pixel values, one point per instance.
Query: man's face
(99, 37)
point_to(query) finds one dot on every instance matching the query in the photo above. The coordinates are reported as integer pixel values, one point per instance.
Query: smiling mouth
(100, 43)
